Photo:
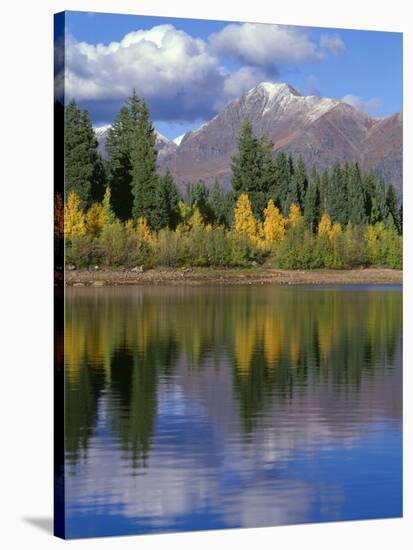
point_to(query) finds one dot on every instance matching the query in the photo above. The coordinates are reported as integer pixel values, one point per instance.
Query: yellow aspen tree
(95, 219)
(130, 228)
(108, 215)
(335, 230)
(143, 231)
(196, 220)
(274, 224)
(324, 226)
(244, 220)
(294, 214)
(185, 211)
(74, 223)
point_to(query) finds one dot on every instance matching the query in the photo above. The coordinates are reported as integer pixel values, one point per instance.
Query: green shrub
(296, 251)
(83, 251)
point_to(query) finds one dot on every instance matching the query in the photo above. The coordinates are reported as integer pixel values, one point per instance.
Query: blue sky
(187, 70)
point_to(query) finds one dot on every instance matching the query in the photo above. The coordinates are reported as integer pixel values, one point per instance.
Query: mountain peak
(272, 89)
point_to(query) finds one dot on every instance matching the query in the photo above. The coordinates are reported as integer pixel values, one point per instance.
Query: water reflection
(194, 408)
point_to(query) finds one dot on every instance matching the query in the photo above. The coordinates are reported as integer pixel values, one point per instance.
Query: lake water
(211, 407)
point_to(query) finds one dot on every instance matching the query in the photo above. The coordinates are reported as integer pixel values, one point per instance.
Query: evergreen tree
(283, 177)
(300, 179)
(381, 200)
(81, 157)
(337, 196)
(356, 196)
(99, 180)
(312, 206)
(248, 168)
(269, 173)
(216, 201)
(229, 206)
(392, 206)
(324, 190)
(119, 147)
(197, 197)
(370, 199)
(143, 170)
(166, 212)
(293, 194)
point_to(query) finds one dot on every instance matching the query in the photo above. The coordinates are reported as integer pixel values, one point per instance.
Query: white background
(26, 99)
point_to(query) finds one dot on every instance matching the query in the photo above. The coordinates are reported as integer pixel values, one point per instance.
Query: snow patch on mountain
(178, 139)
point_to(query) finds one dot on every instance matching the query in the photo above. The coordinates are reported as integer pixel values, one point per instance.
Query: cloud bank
(184, 78)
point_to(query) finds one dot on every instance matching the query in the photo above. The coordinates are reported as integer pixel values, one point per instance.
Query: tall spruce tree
(99, 180)
(248, 168)
(337, 195)
(356, 196)
(293, 195)
(216, 201)
(143, 170)
(370, 200)
(381, 200)
(312, 204)
(392, 207)
(269, 174)
(81, 157)
(166, 213)
(300, 179)
(119, 147)
(283, 178)
(197, 196)
(324, 190)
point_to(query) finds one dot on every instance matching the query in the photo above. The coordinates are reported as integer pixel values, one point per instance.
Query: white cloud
(167, 67)
(370, 105)
(242, 80)
(182, 77)
(265, 45)
(332, 43)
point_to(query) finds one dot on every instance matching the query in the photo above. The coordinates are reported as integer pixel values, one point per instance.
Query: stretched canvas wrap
(228, 284)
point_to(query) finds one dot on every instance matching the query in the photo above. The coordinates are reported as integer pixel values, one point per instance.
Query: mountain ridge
(321, 130)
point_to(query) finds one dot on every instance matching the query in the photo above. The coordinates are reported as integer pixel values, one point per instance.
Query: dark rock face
(322, 130)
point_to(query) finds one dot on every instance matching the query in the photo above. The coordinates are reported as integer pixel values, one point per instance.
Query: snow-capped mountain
(322, 130)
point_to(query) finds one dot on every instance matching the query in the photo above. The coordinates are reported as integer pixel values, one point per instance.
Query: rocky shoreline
(230, 276)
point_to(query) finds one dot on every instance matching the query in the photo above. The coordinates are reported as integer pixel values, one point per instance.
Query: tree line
(274, 203)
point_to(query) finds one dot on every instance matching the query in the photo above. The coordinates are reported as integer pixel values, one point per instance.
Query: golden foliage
(294, 214)
(274, 224)
(335, 230)
(74, 223)
(95, 219)
(244, 220)
(196, 221)
(144, 232)
(185, 211)
(325, 227)
(109, 216)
